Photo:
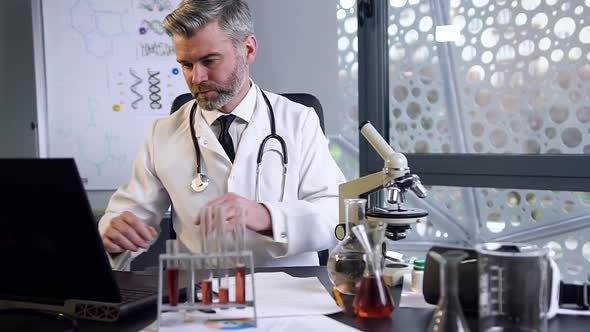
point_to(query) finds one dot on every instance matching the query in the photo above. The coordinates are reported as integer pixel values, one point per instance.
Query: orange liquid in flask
(373, 299)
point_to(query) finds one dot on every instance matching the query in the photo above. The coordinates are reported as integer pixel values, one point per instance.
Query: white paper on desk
(411, 299)
(282, 324)
(279, 294)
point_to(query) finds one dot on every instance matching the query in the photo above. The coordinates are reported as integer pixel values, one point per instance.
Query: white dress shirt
(243, 113)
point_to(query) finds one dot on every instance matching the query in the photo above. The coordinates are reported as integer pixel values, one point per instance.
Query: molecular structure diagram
(97, 27)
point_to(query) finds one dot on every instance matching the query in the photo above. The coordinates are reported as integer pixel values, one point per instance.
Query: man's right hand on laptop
(127, 232)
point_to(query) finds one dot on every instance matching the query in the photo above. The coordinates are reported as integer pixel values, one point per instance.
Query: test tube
(207, 242)
(172, 272)
(241, 283)
(224, 241)
(240, 266)
(191, 282)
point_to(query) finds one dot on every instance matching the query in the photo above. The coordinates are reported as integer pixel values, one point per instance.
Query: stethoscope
(201, 181)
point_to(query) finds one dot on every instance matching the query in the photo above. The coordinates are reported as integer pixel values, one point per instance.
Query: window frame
(556, 172)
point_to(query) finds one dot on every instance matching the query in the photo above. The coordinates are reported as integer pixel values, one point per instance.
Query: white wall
(298, 51)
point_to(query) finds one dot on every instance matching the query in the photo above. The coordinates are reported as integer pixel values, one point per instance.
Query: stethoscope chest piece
(200, 183)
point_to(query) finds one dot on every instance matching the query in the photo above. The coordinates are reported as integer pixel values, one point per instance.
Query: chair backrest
(179, 101)
(306, 99)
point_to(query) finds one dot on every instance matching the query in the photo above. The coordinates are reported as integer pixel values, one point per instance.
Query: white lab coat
(165, 166)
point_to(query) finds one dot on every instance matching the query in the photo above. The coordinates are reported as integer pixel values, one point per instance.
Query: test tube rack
(191, 265)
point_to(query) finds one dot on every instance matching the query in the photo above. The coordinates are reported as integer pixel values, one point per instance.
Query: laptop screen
(50, 248)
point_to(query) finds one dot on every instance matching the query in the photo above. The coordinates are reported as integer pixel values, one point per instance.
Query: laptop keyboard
(133, 295)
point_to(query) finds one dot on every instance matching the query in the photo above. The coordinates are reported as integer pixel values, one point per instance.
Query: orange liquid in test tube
(223, 296)
(207, 291)
(241, 284)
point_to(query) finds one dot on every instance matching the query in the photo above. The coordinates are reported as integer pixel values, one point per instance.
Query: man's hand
(127, 232)
(257, 215)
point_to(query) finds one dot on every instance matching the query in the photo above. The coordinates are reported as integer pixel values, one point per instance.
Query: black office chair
(306, 99)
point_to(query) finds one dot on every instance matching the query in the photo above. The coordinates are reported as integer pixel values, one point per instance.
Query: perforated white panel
(419, 118)
(344, 146)
(522, 72)
(516, 80)
(571, 251)
(447, 216)
(509, 211)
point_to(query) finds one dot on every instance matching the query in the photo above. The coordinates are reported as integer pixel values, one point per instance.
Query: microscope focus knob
(340, 232)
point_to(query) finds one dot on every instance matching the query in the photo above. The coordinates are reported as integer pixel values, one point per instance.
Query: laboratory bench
(402, 319)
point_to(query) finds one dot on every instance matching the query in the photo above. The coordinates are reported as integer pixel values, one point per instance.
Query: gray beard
(237, 79)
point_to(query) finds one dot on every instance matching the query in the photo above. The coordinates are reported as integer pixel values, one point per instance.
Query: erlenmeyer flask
(373, 299)
(448, 315)
(345, 263)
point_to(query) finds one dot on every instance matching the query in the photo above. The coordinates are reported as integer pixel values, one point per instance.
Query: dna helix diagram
(155, 5)
(154, 88)
(133, 88)
(154, 25)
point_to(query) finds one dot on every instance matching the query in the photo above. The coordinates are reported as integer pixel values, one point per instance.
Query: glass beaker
(373, 299)
(448, 315)
(345, 263)
(513, 281)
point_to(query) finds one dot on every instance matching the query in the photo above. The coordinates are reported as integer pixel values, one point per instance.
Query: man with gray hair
(219, 134)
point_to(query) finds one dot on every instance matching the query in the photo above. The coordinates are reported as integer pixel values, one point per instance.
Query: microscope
(394, 180)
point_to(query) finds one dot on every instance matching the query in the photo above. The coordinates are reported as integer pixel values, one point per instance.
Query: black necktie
(224, 137)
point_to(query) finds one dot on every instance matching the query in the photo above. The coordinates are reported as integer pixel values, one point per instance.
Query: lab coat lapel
(207, 139)
(257, 129)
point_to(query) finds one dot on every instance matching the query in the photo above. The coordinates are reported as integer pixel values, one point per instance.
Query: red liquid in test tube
(172, 286)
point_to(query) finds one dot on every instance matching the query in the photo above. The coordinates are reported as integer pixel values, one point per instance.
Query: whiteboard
(109, 72)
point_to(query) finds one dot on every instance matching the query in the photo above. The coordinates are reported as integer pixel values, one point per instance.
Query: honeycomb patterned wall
(344, 145)
(517, 80)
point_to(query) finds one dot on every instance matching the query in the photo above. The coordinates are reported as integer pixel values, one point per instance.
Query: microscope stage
(397, 216)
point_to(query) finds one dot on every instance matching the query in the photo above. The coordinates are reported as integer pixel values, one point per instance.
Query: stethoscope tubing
(273, 135)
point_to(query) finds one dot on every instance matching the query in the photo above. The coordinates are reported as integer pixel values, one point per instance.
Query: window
(514, 80)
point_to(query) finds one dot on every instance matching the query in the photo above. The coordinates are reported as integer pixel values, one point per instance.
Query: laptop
(51, 252)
